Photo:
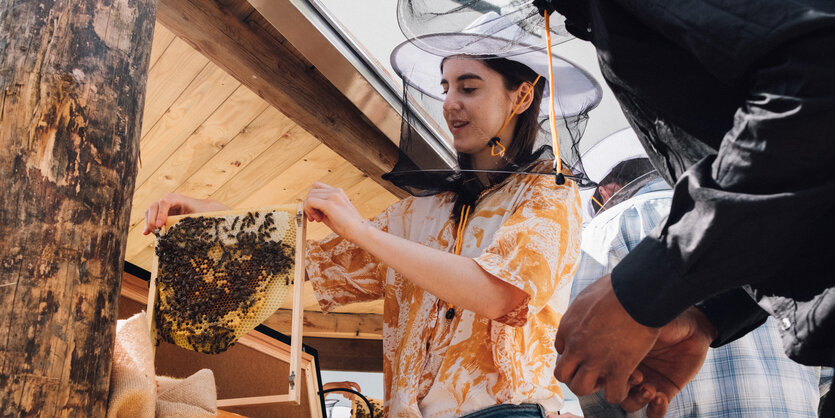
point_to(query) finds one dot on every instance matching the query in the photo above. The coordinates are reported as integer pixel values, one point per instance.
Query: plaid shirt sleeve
(749, 377)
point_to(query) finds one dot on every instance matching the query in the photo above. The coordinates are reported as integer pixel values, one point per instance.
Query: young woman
(469, 323)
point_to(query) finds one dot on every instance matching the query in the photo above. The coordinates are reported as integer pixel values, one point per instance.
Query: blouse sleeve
(343, 273)
(537, 247)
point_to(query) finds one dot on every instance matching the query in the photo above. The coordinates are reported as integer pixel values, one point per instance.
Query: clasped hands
(602, 347)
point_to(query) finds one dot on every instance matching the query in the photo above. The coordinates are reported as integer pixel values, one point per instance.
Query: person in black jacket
(734, 102)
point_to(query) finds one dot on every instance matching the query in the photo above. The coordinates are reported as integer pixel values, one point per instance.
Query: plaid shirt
(750, 377)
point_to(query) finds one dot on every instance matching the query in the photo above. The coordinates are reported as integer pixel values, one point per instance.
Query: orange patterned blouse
(526, 232)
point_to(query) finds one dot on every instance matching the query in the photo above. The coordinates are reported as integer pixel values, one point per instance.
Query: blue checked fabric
(750, 377)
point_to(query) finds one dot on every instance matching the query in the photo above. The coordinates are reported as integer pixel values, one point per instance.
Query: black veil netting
(508, 29)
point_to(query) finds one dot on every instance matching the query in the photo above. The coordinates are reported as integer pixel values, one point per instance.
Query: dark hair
(622, 174)
(520, 149)
(627, 171)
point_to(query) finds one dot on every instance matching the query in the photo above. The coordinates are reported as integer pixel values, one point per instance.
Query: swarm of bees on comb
(218, 277)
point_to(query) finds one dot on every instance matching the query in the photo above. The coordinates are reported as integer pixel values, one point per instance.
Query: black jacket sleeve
(742, 216)
(733, 313)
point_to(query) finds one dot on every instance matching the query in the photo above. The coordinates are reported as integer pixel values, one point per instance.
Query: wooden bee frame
(294, 386)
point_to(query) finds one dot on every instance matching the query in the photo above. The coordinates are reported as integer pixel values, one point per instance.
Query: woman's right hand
(176, 204)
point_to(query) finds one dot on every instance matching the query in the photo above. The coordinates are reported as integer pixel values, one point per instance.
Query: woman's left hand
(330, 205)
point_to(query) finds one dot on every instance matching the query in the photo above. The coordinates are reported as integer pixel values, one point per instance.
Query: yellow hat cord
(459, 239)
(552, 111)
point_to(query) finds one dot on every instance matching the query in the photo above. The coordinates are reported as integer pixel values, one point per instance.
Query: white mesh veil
(489, 30)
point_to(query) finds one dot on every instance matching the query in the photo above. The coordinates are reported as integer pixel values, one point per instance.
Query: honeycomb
(218, 277)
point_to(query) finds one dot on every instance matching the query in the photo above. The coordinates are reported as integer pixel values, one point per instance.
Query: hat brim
(603, 156)
(420, 67)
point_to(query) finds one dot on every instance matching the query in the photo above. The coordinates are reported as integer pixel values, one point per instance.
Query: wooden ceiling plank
(282, 188)
(198, 101)
(343, 176)
(242, 107)
(369, 198)
(137, 243)
(256, 139)
(317, 231)
(285, 81)
(261, 145)
(173, 72)
(143, 258)
(162, 39)
(263, 171)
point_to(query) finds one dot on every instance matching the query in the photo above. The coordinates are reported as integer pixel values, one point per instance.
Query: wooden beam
(284, 80)
(224, 414)
(348, 355)
(72, 89)
(332, 325)
(255, 401)
(134, 288)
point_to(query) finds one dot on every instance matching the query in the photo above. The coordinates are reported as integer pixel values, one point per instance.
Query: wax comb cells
(220, 275)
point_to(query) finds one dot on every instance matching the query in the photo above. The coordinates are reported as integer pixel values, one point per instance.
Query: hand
(176, 204)
(331, 206)
(601, 345)
(342, 385)
(675, 359)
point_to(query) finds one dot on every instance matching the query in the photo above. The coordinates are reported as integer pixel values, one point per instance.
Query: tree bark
(72, 91)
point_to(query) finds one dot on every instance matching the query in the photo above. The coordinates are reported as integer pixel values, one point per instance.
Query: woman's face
(476, 104)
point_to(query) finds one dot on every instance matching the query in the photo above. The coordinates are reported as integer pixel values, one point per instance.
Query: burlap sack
(135, 390)
(192, 397)
(132, 380)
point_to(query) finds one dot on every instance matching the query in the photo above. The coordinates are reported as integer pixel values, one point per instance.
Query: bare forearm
(455, 279)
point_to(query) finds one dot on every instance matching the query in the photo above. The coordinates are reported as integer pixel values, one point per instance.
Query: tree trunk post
(72, 91)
